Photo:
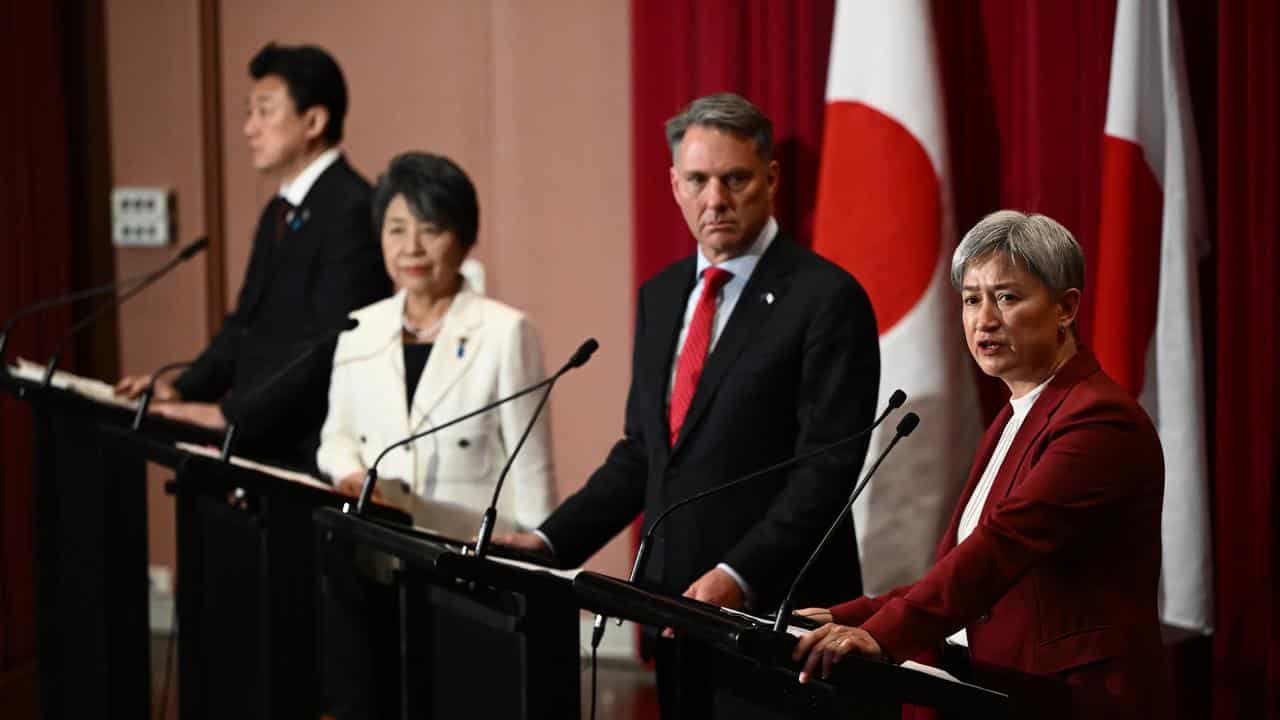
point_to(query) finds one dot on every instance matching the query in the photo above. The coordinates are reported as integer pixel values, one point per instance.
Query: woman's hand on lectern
(352, 485)
(828, 645)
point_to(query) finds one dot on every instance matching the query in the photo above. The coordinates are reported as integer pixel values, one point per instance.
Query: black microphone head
(349, 324)
(908, 424)
(194, 248)
(583, 354)
(897, 399)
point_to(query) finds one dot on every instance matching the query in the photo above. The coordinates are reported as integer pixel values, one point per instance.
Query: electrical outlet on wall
(160, 578)
(161, 606)
(141, 217)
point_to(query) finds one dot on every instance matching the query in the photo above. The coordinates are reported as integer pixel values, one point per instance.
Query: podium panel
(471, 638)
(92, 629)
(246, 565)
(247, 601)
(751, 675)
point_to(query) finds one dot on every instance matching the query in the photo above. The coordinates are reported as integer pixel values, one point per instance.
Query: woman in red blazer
(1051, 563)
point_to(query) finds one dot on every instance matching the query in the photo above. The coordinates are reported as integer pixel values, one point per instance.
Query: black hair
(437, 190)
(313, 78)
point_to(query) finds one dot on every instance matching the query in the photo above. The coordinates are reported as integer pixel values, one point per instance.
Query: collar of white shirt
(295, 190)
(1022, 405)
(745, 264)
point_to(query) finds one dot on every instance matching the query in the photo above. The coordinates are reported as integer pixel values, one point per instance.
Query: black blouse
(415, 359)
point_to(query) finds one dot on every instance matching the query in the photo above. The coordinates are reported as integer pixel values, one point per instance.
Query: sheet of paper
(277, 472)
(931, 670)
(566, 574)
(766, 622)
(90, 388)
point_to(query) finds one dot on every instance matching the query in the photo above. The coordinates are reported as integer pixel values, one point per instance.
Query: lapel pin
(296, 218)
(462, 346)
(768, 298)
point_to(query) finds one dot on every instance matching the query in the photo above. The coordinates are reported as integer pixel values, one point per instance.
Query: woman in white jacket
(434, 351)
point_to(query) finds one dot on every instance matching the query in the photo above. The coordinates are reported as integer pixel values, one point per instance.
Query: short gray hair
(724, 111)
(1036, 243)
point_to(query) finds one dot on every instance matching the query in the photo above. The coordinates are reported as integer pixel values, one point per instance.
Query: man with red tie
(747, 353)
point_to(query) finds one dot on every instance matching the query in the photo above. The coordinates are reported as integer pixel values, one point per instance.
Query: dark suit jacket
(1061, 575)
(785, 377)
(328, 264)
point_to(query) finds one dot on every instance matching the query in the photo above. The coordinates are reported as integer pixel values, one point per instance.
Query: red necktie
(693, 356)
(282, 211)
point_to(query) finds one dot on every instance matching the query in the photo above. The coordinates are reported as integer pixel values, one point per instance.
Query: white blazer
(484, 350)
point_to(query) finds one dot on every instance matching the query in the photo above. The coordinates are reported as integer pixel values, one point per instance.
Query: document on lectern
(90, 388)
(445, 519)
(277, 472)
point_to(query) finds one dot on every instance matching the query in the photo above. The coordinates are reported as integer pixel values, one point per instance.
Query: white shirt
(973, 509)
(741, 267)
(295, 190)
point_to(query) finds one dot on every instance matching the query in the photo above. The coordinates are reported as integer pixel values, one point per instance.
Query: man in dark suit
(748, 353)
(314, 259)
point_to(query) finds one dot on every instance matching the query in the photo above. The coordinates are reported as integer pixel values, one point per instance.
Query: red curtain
(35, 262)
(1246, 323)
(772, 52)
(1026, 93)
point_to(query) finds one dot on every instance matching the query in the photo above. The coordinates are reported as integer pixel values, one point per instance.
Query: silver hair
(724, 111)
(1036, 243)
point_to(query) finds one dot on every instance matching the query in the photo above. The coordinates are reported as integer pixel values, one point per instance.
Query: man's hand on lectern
(133, 385)
(206, 415)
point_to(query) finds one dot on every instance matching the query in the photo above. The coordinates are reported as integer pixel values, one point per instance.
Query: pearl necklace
(425, 334)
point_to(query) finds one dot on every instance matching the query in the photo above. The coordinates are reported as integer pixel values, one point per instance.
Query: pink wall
(532, 99)
(153, 97)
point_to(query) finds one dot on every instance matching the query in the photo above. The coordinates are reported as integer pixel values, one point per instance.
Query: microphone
(905, 427)
(642, 552)
(579, 358)
(71, 297)
(144, 398)
(183, 255)
(347, 323)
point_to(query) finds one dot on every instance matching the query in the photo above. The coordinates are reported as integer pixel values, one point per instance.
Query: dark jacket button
(984, 617)
(463, 443)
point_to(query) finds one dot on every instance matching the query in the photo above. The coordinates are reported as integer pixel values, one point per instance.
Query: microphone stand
(185, 254)
(905, 428)
(579, 358)
(896, 401)
(347, 323)
(144, 400)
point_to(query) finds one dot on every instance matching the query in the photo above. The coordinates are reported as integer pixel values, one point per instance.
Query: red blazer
(1061, 575)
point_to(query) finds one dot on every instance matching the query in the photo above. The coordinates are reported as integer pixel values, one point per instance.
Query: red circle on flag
(879, 213)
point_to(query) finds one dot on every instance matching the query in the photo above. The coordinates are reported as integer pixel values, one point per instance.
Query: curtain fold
(772, 52)
(1246, 666)
(36, 261)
